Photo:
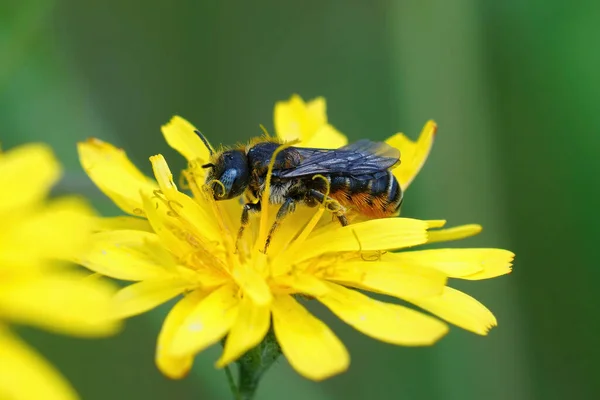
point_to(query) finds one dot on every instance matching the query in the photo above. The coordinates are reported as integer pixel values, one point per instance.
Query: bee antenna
(265, 131)
(203, 138)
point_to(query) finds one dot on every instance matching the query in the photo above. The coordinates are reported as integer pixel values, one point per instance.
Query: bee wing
(359, 158)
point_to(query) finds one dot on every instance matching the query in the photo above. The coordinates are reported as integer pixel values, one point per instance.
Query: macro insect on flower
(356, 176)
(174, 243)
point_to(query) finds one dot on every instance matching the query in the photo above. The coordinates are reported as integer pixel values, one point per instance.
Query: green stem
(255, 363)
(234, 390)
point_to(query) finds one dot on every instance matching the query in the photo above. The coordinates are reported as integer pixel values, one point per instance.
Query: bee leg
(248, 208)
(288, 206)
(332, 205)
(342, 218)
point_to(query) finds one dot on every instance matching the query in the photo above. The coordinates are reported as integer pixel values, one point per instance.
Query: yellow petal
(301, 283)
(412, 154)
(128, 255)
(295, 119)
(252, 283)
(491, 270)
(143, 296)
(122, 223)
(110, 169)
(293, 227)
(166, 226)
(171, 366)
(181, 136)
(389, 277)
(61, 230)
(307, 343)
(389, 323)
(61, 303)
(191, 211)
(26, 175)
(378, 234)
(455, 233)
(250, 327)
(460, 263)
(24, 375)
(208, 322)
(436, 223)
(163, 174)
(326, 137)
(188, 211)
(316, 109)
(459, 309)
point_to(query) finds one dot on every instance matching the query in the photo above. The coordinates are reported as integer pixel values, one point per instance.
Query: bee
(357, 177)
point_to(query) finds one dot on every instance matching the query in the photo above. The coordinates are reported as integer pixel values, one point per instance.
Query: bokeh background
(514, 86)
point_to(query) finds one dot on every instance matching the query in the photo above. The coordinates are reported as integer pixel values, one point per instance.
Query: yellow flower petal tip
(459, 309)
(437, 223)
(470, 264)
(233, 288)
(176, 121)
(430, 128)
(174, 367)
(412, 154)
(494, 263)
(455, 233)
(306, 121)
(93, 148)
(110, 169)
(95, 142)
(181, 135)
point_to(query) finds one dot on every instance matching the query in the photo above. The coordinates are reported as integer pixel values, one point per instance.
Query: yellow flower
(36, 288)
(187, 246)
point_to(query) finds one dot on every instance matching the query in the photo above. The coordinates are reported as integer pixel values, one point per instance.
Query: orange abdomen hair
(377, 196)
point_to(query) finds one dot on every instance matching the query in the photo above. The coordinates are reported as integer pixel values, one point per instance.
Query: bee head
(230, 169)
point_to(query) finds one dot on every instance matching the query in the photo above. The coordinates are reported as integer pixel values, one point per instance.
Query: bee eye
(209, 165)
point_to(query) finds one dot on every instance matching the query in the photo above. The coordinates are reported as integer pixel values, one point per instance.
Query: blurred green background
(514, 86)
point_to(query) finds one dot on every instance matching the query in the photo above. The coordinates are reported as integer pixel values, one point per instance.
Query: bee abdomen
(394, 194)
(376, 195)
